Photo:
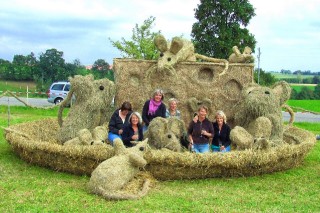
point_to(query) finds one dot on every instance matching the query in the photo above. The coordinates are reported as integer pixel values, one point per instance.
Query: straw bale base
(35, 143)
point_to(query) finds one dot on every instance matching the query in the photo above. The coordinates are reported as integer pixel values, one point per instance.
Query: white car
(58, 91)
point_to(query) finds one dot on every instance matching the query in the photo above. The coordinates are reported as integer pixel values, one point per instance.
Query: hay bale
(112, 175)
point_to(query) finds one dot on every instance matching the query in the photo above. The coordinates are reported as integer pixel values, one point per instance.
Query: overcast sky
(287, 31)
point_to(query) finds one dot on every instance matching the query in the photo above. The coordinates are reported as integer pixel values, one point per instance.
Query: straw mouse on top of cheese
(177, 51)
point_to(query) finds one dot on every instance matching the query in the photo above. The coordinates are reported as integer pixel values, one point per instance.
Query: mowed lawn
(28, 188)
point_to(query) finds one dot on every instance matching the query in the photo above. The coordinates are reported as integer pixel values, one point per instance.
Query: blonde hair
(221, 113)
(158, 91)
(203, 107)
(136, 114)
(172, 100)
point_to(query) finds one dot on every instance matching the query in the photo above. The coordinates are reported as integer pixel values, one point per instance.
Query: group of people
(127, 124)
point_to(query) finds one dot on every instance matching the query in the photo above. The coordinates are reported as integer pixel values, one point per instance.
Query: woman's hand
(134, 137)
(120, 131)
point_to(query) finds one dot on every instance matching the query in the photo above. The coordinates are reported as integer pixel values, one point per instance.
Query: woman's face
(202, 113)
(134, 119)
(157, 97)
(173, 106)
(124, 112)
(219, 119)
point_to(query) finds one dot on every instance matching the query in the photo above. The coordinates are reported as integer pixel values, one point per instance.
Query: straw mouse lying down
(177, 51)
(113, 174)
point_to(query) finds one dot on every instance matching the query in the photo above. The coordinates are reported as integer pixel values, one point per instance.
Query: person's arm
(145, 113)
(126, 136)
(163, 110)
(112, 124)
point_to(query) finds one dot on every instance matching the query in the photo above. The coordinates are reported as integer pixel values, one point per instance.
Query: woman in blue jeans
(221, 139)
(200, 131)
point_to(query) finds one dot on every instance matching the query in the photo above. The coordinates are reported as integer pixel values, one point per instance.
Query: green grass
(299, 87)
(21, 88)
(310, 105)
(29, 188)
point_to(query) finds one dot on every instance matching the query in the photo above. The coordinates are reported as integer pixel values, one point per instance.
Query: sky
(287, 31)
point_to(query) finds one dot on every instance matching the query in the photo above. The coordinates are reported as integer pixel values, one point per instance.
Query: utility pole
(259, 53)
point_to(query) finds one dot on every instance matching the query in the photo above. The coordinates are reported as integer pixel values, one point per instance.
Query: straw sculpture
(260, 114)
(112, 175)
(166, 133)
(93, 99)
(238, 57)
(177, 51)
(98, 136)
(262, 143)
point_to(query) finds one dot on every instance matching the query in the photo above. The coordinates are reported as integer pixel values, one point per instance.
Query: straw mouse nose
(101, 87)
(141, 148)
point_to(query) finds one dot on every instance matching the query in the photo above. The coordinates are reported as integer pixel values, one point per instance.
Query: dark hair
(126, 106)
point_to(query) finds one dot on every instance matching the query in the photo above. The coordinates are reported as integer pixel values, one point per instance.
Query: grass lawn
(299, 87)
(29, 188)
(310, 105)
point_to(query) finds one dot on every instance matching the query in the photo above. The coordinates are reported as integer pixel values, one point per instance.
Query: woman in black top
(119, 118)
(132, 132)
(221, 139)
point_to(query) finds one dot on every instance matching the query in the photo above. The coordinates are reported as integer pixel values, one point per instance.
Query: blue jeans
(144, 128)
(201, 148)
(217, 149)
(112, 136)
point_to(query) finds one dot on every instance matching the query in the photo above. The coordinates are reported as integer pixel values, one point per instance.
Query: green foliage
(101, 69)
(141, 45)
(221, 25)
(265, 78)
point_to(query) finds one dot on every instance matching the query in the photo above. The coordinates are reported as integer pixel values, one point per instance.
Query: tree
(101, 69)
(220, 27)
(51, 68)
(305, 94)
(316, 92)
(266, 79)
(141, 45)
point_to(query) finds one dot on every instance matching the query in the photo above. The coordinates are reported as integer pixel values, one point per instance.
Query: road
(41, 102)
(37, 102)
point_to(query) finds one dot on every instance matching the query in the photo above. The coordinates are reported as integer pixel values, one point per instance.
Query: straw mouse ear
(282, 90)
(161, 43)
(176, 45)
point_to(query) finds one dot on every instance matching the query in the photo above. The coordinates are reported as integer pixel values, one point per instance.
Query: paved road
(38, 102)
(302, 117)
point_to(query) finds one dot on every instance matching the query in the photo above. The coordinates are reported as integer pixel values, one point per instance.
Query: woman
(200, 131)
(221, 139)
(172, 111)
(153, 108)
(133, 131)
(119, 118)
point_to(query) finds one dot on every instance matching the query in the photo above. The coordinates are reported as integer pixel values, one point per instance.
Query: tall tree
(221, 25)
(51, 68)
(101, 69)
(141, 45)
(265, 78)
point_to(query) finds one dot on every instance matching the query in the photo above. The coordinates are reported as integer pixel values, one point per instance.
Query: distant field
(281, 76)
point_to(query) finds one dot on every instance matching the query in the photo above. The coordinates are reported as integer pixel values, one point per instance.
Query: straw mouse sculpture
(238, 57)
(98, 136)
(166, 133)
(93, 98)
(258, 116)
(109, 178)
(177, 51)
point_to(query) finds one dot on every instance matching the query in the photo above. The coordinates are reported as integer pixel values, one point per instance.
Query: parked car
(58, 91)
